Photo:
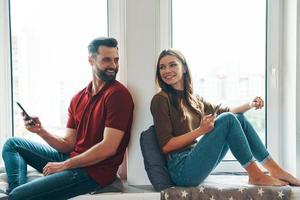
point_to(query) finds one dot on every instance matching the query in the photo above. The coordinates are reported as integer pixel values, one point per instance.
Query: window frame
(6, 107)
(6, 79)
(273, 84)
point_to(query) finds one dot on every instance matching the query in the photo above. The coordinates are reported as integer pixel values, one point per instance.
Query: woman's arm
(178, 142)
(257, 103)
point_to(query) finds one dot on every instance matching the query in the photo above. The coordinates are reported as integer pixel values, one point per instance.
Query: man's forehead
(107, 51)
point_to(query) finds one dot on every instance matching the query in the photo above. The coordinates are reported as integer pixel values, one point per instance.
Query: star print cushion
(154, 160)
(225, 192)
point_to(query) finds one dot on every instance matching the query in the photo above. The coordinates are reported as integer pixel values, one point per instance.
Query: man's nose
(114, 64)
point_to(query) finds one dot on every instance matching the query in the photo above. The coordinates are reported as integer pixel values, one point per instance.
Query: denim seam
(33, 152)
(20, 163)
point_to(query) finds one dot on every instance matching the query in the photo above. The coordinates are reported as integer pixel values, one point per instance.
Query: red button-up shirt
(111, 107)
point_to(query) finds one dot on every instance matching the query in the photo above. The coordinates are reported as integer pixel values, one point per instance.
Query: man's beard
(106, 76)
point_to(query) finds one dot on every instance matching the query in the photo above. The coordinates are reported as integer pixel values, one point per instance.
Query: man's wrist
(68, 163)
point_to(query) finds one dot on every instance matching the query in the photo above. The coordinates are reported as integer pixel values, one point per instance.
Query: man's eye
(106, 60)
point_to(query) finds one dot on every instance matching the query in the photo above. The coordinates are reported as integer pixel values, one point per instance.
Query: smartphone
(25, 113)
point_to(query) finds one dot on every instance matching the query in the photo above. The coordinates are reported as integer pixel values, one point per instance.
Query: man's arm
(99, 152)
(62, 144)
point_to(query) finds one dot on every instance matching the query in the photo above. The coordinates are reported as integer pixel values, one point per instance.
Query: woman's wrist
(250, 105)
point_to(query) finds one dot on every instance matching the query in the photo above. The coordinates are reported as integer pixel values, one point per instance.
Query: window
(225, 46)
(49, 56)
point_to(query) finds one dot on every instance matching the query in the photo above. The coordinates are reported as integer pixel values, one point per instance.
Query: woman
(180, 118)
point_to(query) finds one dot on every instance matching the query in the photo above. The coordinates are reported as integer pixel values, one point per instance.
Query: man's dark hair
(101, 41)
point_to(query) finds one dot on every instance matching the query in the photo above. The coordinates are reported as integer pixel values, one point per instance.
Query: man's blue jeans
(191, 167)
(18, 152)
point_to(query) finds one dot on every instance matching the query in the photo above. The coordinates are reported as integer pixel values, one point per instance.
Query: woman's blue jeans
(18, 152)
(191, 167)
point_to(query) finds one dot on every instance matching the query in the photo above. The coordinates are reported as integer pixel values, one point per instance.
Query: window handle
(274, 77)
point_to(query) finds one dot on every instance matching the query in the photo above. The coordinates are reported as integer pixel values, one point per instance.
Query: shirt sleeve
(209, 108)
(119, 109)
(71, 119)
(161, 117)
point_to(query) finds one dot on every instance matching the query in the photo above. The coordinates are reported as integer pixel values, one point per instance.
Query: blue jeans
(18, 152)
(191, 167)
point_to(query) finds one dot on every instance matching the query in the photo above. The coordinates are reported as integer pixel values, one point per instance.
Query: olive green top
(168, 121)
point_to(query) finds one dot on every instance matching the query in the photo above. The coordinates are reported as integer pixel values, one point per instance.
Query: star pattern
(184, 194)
(213, 193)
(280, 194)
(241, 189)
(260, 191)
(201, 189)
(166, 196)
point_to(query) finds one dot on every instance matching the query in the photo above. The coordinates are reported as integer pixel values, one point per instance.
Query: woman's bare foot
(285, 176)
(266, 180)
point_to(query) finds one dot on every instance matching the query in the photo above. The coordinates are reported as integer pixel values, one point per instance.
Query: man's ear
(91, 60)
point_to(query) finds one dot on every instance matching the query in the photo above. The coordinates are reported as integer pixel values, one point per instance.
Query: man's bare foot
(285, 176)
(266, 180)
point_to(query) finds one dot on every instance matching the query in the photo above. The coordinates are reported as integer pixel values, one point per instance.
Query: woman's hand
(257, 103)
(207, 123)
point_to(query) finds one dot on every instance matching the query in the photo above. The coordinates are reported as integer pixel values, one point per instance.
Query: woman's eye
(162, 67)
(173, 65)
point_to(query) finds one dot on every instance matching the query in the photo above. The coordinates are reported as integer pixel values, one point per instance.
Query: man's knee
(16, 194)
(10, 144)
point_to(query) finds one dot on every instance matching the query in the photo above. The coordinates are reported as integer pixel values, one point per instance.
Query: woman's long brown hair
(188, 96)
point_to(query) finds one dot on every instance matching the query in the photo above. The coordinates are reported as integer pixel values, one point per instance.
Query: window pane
(225, 45)
(50, 58)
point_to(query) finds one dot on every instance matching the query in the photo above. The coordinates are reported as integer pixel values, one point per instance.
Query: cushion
(116, 186)
(154, 160)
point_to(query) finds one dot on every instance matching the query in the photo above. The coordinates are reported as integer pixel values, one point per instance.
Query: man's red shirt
(111, 107)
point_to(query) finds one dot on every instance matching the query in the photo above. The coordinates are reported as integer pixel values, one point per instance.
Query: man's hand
(54, 167)
(32, 124)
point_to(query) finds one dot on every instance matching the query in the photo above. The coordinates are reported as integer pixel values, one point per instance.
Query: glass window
(225, 46)
(50, 58)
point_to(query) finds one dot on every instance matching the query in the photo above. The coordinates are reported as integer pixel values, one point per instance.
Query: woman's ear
(184, 70)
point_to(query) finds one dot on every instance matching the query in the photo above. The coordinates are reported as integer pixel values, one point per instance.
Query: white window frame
(6, 123)
(273, 83)
(6, 98)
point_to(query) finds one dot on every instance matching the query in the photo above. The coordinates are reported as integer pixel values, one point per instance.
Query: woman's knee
(241, 117)
(228, 119)
(228, 116)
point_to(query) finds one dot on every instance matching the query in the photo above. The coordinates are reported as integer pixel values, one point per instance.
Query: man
(97, 134)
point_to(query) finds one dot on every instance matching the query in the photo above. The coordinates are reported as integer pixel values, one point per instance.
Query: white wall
(298, 93)
(289, 85)
(141, 56)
